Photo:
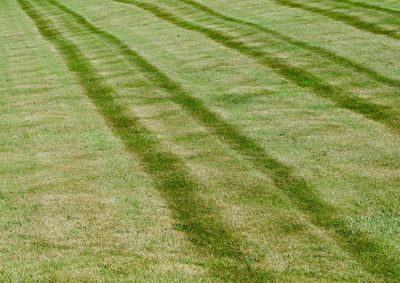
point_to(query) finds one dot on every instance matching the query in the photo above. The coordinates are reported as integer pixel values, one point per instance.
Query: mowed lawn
(199, 141)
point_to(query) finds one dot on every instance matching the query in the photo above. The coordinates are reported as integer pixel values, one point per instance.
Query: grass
(184, 142)
(354, 21)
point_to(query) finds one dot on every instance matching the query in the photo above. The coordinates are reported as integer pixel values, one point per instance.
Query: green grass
(351, 20)
(184, 140)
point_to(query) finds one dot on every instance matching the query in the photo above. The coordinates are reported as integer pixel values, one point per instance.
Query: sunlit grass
(184, 140)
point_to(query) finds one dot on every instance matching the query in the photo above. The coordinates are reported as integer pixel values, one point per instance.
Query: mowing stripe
(379, 113)
(225, 131)
(199, 220)
(340, 60)
(369, 6)
(284, 178)
(337, 16)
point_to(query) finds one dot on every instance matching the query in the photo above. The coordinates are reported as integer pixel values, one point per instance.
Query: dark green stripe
(300, 44)
(300, 77)
(283, 175)
(199, 220)
(369, 6)
(301, 193)
(344, 18)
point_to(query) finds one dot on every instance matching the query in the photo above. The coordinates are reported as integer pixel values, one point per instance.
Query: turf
(184, 140)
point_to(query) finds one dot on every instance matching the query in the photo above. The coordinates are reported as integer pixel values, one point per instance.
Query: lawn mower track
(350, 20)
(369, 6)
(317, 50)
(298, 76)
(200, 221)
